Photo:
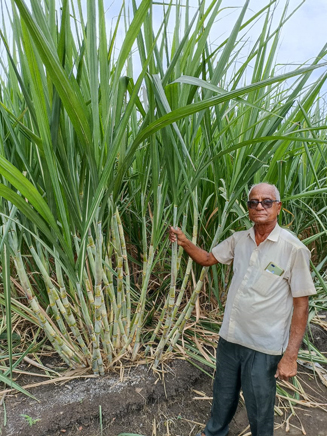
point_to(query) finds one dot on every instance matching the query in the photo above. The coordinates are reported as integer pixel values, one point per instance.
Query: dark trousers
(239, 368)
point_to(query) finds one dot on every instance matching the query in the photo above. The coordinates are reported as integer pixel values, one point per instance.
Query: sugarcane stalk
(171, 299)
(180, 249)
(138, 318)
(101, 312)
(70, 318)
(109, 288)
(190, 261)
(96, 356)
(87, 281)
(144, 239)
(116, 247)
(158, 326)
(115, 319)
(54, 299)
(185, 316)
(121, 302)
(127, 273)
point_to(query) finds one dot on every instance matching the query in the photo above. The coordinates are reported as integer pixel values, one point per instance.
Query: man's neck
(262, 231)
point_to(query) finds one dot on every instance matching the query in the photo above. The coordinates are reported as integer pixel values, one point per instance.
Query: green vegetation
(31, 421)
(96, 159)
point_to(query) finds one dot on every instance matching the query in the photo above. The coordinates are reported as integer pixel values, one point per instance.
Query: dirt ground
(135, 400)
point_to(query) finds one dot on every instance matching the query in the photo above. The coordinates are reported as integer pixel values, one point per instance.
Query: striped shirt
(259, 303)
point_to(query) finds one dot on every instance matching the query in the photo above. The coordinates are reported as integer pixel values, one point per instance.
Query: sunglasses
(266, 204)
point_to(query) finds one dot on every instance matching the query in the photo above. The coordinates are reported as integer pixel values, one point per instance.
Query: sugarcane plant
(104, 143)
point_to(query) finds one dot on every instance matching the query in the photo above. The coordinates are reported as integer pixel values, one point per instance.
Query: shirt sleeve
(300, 279)
(224, 252)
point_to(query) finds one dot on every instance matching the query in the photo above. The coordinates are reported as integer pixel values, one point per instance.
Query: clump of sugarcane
(169, 327)
(180, 296)
(112, 323)
(59, 309)
(123, 331)
(177, 331)
(116, 328)
(69, 354)
(148, 258)
(108, 326)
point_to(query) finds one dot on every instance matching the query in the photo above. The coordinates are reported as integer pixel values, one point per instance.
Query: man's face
(260, 215)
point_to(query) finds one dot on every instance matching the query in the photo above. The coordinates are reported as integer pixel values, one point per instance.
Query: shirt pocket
(267, 283)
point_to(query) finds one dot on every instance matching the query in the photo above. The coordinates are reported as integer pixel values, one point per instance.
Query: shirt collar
(273, 235)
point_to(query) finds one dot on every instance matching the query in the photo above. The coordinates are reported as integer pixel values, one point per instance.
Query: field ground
(175, 402)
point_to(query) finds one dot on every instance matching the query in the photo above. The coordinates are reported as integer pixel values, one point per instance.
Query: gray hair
(277, 194)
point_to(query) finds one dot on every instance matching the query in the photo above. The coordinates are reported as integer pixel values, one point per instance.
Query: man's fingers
(174, 233)
(284, 378)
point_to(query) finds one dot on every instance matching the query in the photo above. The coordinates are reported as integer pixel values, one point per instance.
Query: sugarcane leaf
(25, 187)
(14, 385)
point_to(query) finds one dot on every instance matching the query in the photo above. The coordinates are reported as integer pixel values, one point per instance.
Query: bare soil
(174, 402)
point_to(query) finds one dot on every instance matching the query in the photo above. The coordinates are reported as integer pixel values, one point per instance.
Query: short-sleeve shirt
(259, 303)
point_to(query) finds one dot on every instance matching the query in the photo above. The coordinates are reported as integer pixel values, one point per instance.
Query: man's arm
(200, 256)
(287, 366)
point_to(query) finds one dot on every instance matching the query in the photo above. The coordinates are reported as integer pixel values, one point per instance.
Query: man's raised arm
(199, 256)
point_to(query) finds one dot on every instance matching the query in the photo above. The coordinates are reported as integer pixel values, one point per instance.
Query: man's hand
(286, 368)
(175, 234)
(200, 256)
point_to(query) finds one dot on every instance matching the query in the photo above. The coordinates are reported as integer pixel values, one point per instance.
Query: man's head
(264, 203)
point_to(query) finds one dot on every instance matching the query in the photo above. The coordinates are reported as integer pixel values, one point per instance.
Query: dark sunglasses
(266, 204)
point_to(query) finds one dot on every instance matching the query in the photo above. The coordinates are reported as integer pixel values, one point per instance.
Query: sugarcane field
(163, 218)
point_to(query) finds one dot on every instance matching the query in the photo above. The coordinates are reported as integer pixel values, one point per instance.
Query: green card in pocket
(274, 269)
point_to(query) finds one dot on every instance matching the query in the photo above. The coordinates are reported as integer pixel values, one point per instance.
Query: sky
(302, 37)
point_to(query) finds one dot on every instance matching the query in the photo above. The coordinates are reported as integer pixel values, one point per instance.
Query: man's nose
(259, 206)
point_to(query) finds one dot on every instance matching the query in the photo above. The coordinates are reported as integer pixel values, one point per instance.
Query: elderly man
(265, 315)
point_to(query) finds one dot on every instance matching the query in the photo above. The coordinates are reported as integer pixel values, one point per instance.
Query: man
(265, 315)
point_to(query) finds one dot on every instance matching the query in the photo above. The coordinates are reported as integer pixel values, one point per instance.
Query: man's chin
(260, 220)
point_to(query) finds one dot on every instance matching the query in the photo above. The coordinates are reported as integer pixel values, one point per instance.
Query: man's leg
(259, 389)
(226, 389)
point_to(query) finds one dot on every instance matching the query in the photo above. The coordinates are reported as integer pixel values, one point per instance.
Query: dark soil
(139, 401)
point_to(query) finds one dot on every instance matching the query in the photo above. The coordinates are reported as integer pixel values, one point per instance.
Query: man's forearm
(298, 326)
(287, 366)
(199, 256)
